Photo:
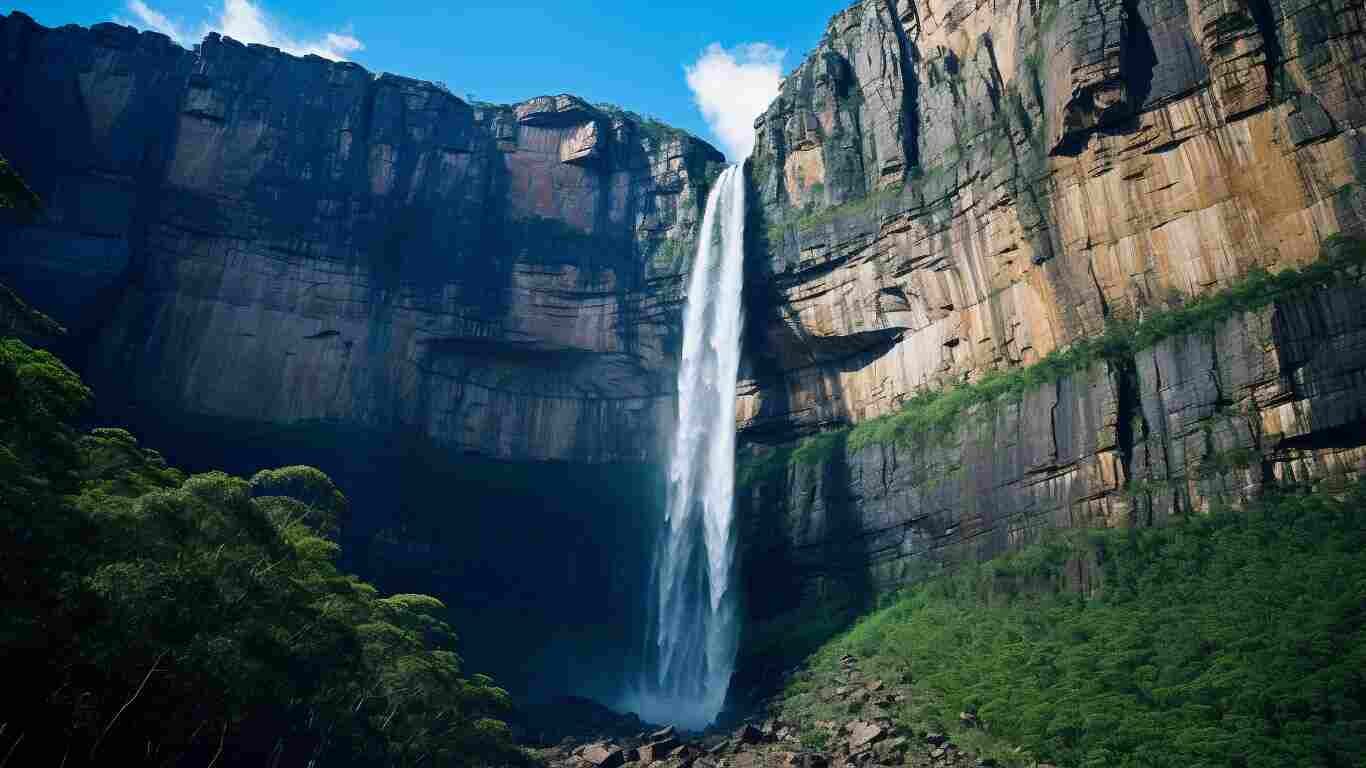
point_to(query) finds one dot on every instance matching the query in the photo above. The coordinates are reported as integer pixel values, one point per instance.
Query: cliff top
(541, 109)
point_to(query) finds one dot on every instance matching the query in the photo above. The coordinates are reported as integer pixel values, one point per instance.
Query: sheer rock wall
(947, 189)
(267, 239)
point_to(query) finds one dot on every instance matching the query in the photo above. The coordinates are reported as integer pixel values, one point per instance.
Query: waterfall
(693, 602)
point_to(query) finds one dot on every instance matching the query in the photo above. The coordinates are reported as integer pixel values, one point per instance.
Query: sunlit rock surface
(951, 188)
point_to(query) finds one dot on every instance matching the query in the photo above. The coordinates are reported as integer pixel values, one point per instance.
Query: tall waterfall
(694, 607)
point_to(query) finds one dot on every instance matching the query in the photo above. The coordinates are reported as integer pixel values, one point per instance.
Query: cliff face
(416, 286)
(465, 313)
(257, 237)
(948, 189)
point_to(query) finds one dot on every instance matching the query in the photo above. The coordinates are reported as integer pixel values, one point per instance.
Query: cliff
(249, 235)
(951, 191)
(464, 310)
(466, 313)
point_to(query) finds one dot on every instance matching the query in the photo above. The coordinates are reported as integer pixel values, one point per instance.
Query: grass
(870, 202)
(1231, 639)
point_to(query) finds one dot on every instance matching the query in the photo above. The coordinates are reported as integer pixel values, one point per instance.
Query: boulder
(604, 755)
(800, 760)
(890, 748)
(748, 734)
(662, 734)
(863, 734)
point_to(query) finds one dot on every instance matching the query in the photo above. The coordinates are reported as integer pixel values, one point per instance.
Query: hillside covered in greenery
(1232, 639)
(157, 618)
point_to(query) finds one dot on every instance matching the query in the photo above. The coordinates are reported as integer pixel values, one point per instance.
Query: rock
(662, 734)
(748, 734)
(891, 748)
(938, 753)
(658, 750)
(603, 755)
(288, 251)
(483, 232)
(862, 734)
(800, 760)
(682, 755)
(955, 265)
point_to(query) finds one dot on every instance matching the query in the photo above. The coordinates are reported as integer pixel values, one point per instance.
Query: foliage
(649, 126)
(14, 193)
(17, 317)
(154, 617)
(1232, 639)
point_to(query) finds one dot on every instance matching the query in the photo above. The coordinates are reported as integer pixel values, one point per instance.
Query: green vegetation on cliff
(1232, 639)
(938, 412)
(157, 618)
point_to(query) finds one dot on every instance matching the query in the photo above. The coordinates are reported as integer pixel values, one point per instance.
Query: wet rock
(660, 749)
(663, 734)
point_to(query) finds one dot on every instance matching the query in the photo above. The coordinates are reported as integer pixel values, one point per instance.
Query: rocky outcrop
(951, 189)
(248, 235)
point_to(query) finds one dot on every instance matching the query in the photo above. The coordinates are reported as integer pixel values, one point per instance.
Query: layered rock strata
(948, 189)
(250, 235)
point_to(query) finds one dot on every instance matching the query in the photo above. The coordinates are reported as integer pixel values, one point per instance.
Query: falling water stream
(695, 631)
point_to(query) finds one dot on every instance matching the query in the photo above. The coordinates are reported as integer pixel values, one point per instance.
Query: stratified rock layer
(952, 188)
(252, 236)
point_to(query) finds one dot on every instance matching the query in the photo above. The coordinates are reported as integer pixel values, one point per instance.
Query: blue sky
(636, 54)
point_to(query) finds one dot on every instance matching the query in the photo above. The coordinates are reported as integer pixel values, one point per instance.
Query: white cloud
(150, 18)
(247, 22)
(733, 87)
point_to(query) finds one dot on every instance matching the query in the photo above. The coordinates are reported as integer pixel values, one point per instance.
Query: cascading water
(695, 631)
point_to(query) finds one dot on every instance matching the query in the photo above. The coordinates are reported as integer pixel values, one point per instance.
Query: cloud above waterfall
(248, 22)
(732, 87)
(148, 17)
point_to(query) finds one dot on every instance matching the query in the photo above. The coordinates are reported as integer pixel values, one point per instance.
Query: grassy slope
(1235, 639)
